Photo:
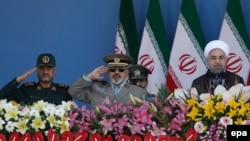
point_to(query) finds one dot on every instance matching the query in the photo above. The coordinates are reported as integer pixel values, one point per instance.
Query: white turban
(216, 44)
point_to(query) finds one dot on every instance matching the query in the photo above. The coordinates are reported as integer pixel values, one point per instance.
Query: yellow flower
(39, 105)
(193, 113)
(21, 125)
(242, 111)
(246, 106)
(238, 121)
(232, 112)
(52, 120)
(248, 114)
(233, 104)
(64, 126)
(209, 113)
(191, 102)
(219, 97)
(220, 107)
(38, 123)
(11, 113)
(14, 103)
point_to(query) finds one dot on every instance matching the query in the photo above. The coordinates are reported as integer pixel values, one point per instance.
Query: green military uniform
(31, 92)
(139, 73)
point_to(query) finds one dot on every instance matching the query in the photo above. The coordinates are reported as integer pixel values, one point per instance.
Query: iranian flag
(187, 60)
(126, 36)
(233, 32)
(154, 49)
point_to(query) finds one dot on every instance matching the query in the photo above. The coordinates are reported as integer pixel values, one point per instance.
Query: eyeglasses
(114, 69)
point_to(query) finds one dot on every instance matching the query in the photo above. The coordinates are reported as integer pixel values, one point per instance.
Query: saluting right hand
(96, 74)
(25, 75)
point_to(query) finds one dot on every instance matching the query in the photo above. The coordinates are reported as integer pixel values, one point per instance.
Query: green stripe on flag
(189, 11)
(154, 18)
(127, 20)
(193, 27)
(235, 13)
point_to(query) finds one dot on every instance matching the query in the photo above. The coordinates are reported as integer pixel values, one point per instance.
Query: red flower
(123, 138)
(135, 138)
(107, 138)
(191, 135)
(2, 137)
(81, 136)
(149, 137)
(37, 136)
(176, 138)
(95, 137)
(52, 136)
(67, 136)
(164, 138)
(26, 137)
(15, 136)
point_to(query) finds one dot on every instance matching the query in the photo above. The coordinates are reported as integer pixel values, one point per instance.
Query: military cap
(138, 72)
(118, 59)
(46, 59)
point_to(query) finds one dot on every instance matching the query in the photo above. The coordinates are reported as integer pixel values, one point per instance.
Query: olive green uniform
(31, 92)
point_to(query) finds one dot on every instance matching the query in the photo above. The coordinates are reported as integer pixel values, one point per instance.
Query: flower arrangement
(177, 116)
(161, 119)
(210, 114)
(32, 121)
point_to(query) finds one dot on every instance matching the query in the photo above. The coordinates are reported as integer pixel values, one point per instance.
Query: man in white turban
(216, 53)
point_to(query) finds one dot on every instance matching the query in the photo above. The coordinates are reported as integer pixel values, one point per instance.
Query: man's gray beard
(116, 81)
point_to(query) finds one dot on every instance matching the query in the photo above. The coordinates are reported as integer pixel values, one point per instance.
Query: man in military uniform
(138, 75)
(44, 89)
(91, 89)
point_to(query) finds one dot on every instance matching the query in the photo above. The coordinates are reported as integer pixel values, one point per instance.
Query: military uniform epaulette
(28, 84)
(62, 85)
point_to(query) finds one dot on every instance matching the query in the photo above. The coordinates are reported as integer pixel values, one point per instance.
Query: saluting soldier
(92, 89)
(138, 75)
(45, 89)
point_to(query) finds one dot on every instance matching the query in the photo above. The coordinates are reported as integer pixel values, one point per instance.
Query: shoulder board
(29, 84)
(62, 85)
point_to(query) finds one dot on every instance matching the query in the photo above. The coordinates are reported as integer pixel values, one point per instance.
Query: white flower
(226, 121)
(21, 125)
(2, 122)
(11, 113)
(236, 89)
(199, 127)
(246, 122)
(245, 94)
(49, 109)
(219, 90)
(203, 97)
(39, 105)
(67, 105)
(59, 112)
(10, 126)
(24, 111)
(34, 112)
(38, 123)
(52, 120)
(194, 93)
(181, 94)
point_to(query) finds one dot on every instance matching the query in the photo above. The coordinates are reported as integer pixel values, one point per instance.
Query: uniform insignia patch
(29, 84)
(62, 85)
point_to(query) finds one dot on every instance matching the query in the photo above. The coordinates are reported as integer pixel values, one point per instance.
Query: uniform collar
(52, 87)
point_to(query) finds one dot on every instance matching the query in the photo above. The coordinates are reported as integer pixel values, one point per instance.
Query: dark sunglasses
(114, 69)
